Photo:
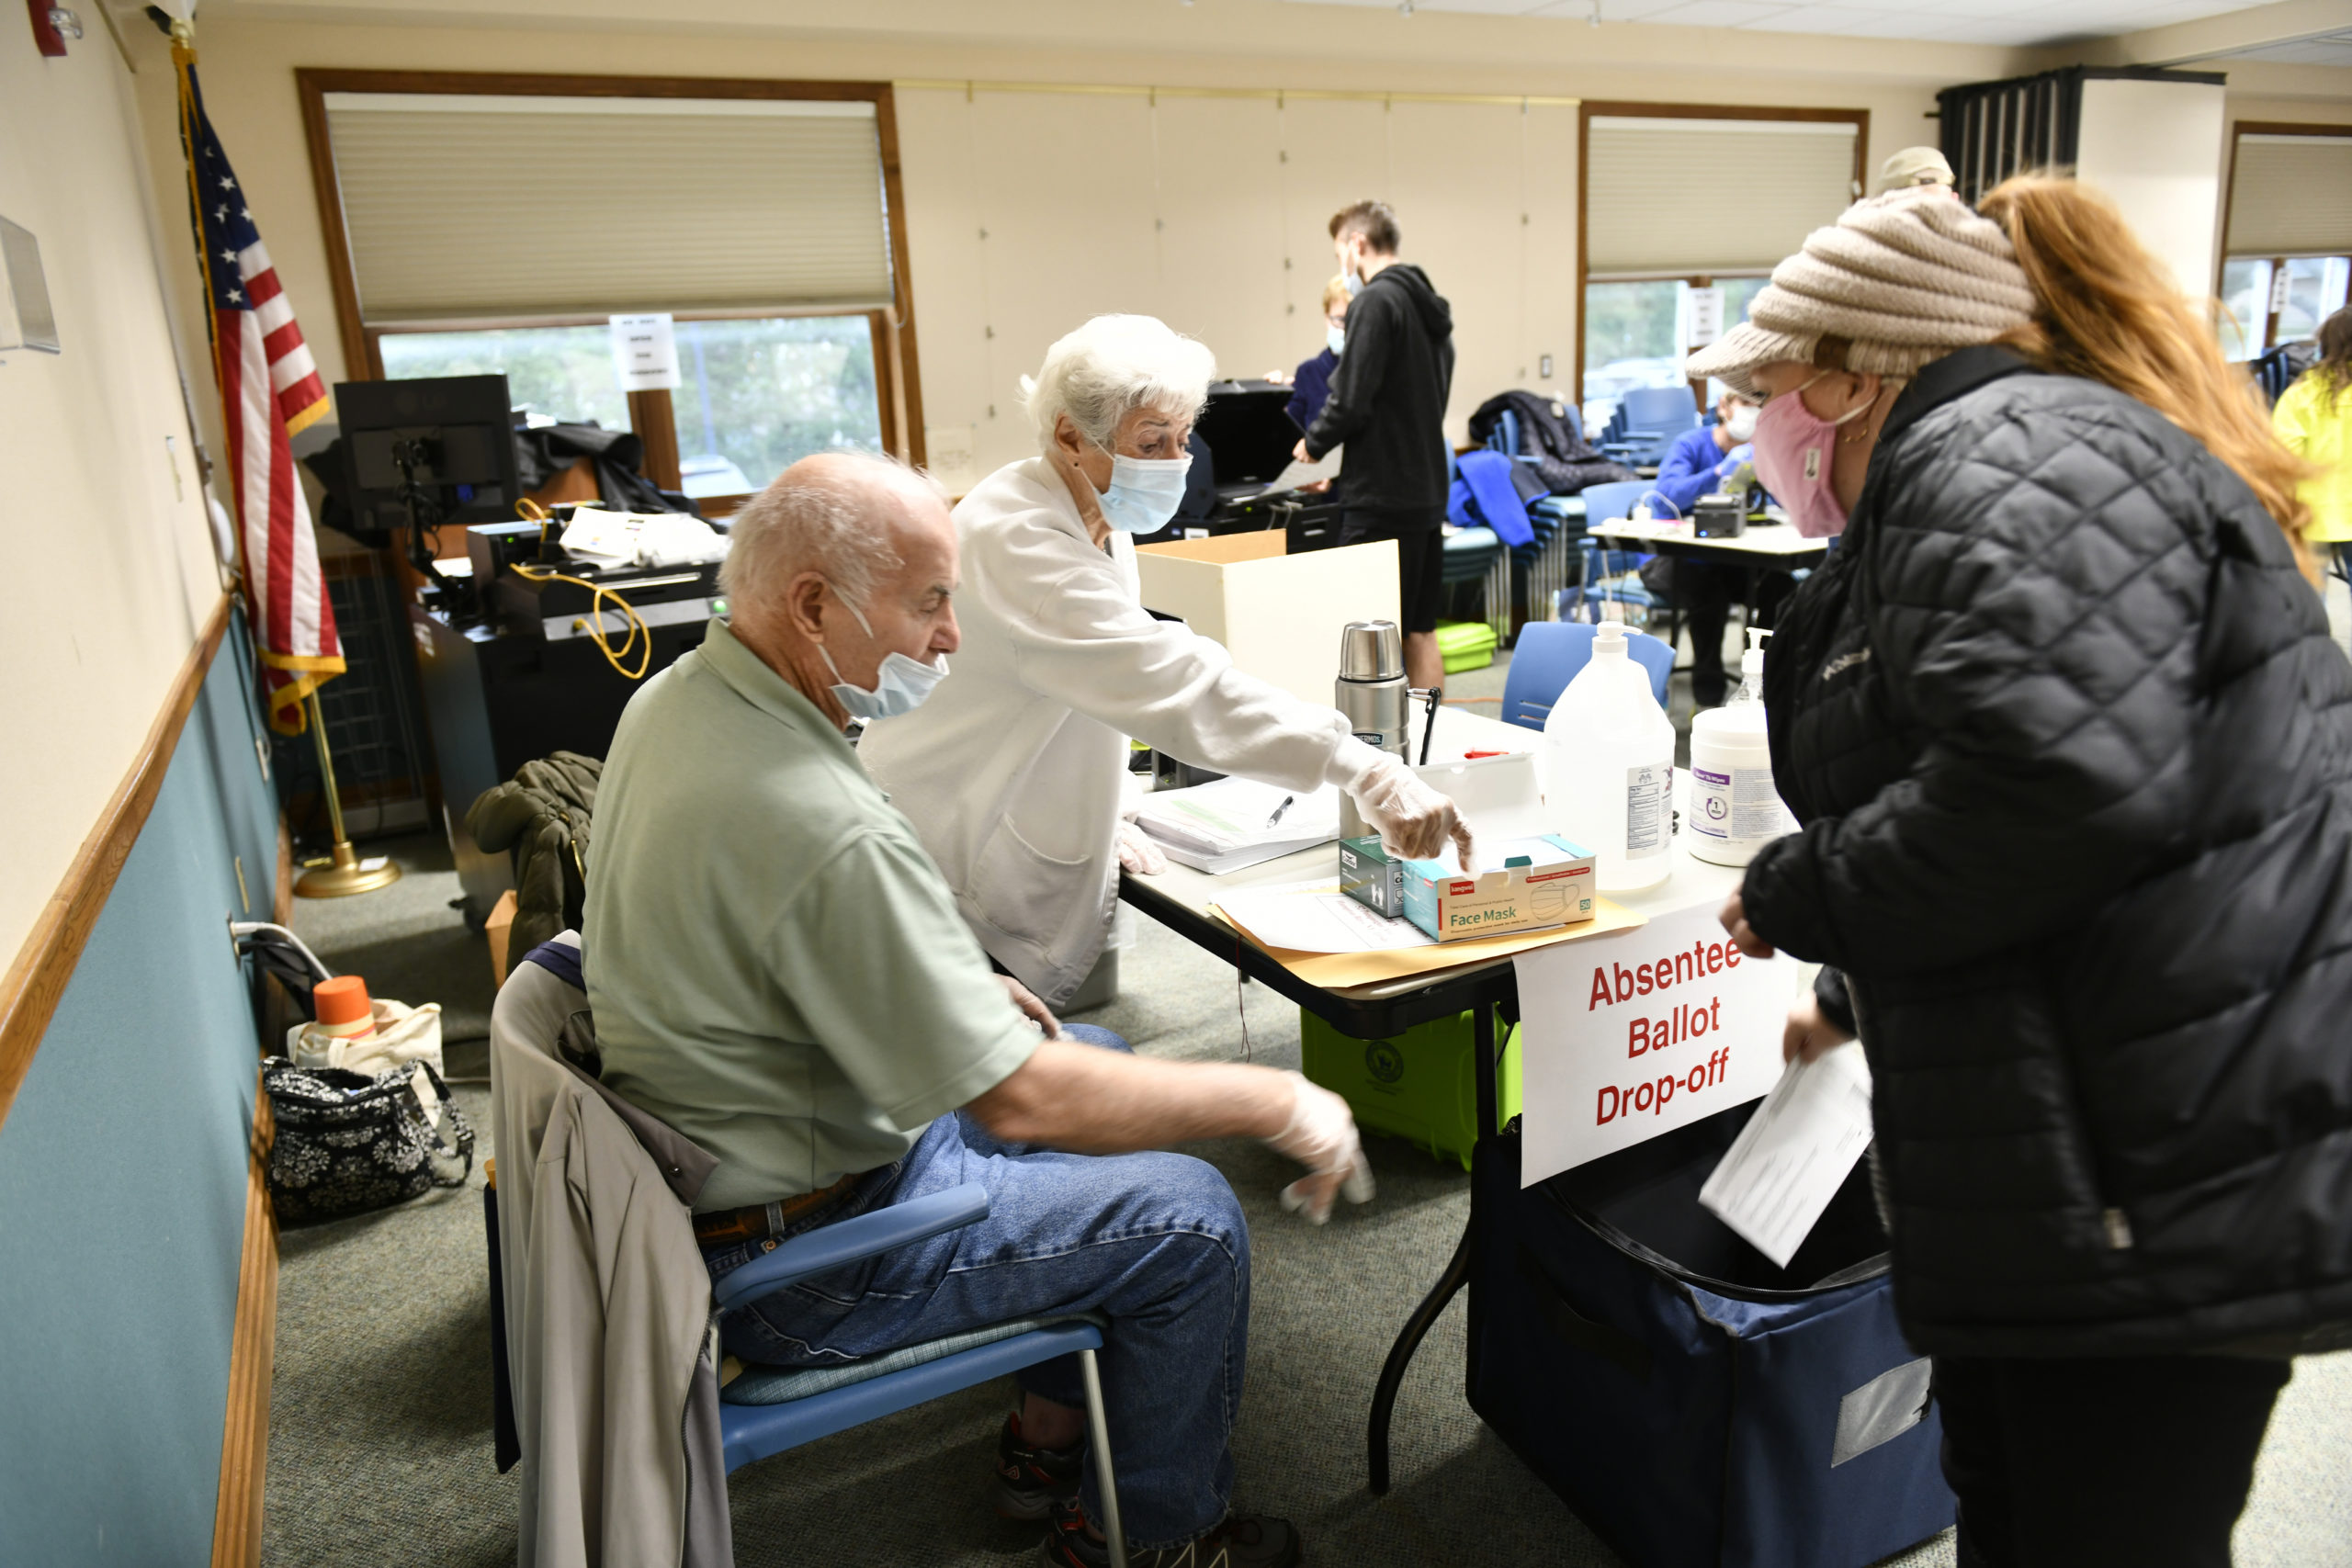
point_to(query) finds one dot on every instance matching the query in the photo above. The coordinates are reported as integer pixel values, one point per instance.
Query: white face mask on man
(1740, 424)
(900, 687)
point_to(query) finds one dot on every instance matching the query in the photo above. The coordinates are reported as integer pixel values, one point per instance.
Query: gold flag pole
(346, 874)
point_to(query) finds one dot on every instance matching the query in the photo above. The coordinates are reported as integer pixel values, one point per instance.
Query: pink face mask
(1794, 447)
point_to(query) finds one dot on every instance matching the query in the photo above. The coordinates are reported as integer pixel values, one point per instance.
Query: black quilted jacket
(2072, 751)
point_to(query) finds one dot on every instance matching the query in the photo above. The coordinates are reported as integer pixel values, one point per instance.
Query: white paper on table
(1794, 1153)
(1232, 813)
(1315, 916)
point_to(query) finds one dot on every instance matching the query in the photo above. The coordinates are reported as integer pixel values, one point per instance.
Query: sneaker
(1030, 1481)
(1243, 1540)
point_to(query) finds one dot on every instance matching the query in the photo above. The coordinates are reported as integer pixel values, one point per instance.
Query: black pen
(1280, 809)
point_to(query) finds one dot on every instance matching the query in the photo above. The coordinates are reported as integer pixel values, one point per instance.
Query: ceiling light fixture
(1594, 20)
(1404, 7)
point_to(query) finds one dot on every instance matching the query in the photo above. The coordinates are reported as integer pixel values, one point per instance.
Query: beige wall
(1084, 210)
(110, 562)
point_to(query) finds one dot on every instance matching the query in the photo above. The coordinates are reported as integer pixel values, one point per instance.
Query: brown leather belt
(757, 1222)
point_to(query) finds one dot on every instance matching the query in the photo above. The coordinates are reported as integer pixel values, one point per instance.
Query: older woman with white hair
(1013, 772)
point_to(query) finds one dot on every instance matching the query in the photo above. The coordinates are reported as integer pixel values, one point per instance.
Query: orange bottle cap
(343, 999)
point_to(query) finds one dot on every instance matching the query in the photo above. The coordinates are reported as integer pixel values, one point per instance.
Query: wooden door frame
(898, 377)
(1590, 108)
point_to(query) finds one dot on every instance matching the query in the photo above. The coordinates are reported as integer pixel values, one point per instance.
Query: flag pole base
(346, 874)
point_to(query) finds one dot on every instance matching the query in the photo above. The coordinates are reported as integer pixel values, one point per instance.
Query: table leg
(1450, 1283)
(1400, 1356)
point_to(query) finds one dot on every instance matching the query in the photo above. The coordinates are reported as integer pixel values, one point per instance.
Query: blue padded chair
(1647, 419)
(1602, 502)
(770, 1409)
(1552, 653)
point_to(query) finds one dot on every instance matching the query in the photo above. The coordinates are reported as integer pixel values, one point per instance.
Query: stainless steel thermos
(1372, 695)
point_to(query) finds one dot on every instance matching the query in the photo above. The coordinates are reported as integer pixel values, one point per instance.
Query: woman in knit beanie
(2071, 750)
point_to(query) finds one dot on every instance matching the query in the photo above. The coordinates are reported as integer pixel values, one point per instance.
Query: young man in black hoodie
(1387, 407)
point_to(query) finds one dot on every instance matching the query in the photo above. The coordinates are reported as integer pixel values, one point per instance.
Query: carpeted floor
(381, 1427)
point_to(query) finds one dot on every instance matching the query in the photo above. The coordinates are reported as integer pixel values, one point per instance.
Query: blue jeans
(1154, 1242)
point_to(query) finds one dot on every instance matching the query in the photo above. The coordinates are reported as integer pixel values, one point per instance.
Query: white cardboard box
(1280, 616)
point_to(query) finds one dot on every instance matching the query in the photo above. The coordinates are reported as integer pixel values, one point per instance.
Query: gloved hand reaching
(1412, 819)
(1138, 854)
(1321, 1135)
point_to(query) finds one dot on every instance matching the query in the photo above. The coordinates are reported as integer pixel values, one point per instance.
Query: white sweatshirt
(1013, 772)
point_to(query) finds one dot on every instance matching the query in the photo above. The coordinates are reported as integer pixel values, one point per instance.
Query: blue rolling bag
(1697, 1406)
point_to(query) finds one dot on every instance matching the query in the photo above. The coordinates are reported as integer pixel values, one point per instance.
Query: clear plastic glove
(1321, 1136)
(1412, 819)
(1139, 855)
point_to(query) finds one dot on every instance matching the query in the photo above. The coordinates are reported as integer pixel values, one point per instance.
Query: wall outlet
(1543, 368)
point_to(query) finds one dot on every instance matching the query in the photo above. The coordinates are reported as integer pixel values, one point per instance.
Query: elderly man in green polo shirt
(779, 971)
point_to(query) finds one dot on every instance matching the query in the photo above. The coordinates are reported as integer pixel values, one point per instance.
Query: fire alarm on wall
(52, 24)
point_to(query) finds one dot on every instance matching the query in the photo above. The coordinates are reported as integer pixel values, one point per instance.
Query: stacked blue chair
(1647, 422)
(1558, 523)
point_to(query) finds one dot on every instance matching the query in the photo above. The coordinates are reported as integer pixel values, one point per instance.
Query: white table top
(1692, 882)
(1767, 539)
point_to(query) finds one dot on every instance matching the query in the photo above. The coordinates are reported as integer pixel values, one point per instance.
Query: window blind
(464, 207)
(1700, 196)
(2292, 196)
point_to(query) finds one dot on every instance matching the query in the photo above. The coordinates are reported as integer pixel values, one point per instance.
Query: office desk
(1178, 898)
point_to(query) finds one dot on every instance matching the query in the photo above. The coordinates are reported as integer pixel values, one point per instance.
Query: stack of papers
(1315, 916)
(1225, 825)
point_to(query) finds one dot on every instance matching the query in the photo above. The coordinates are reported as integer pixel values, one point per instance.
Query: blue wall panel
(122, 1180)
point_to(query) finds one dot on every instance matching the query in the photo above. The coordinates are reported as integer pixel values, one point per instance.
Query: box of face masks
(1516, 885)
(1524, 878)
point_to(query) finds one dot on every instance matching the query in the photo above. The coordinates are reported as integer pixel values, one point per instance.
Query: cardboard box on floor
(1278, 615)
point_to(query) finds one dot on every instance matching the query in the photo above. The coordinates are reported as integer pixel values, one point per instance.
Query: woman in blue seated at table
(1701, 462)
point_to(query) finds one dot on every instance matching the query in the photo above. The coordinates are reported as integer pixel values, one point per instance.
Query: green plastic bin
(1418, 1085)
(1466, 644)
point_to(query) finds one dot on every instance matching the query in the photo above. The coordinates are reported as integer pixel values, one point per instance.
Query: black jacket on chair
(2072, 750)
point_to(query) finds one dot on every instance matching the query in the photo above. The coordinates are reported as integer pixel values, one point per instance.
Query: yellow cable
(598, 594)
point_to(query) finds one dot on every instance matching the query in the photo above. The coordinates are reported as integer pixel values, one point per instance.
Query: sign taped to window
(645, 352)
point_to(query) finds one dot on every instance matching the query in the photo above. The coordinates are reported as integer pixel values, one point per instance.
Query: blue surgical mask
(1355, 284)
(1336, 340)
(900, 687)
(1145, 492)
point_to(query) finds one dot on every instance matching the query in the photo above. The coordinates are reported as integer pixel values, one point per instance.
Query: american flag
(269, 389)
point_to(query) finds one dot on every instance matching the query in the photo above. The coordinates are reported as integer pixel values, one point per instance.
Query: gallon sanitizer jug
(1611, 767)
(1734, 810)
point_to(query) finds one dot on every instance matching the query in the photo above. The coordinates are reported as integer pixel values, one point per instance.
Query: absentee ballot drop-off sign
(1628, 1035)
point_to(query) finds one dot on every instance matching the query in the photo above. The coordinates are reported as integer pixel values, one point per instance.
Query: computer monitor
(430, 452)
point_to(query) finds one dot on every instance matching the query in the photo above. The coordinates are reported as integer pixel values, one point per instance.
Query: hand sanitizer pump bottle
(1734, 810)
(1611, 767)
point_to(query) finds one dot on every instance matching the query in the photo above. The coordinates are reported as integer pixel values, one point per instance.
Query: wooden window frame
(1590, 108)
(898, 381)
(2223, 255)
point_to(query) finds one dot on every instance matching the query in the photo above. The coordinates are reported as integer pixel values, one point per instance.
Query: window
(764, 218)
(2245, 307)
(754, 395)
(2268, 301)
(1647, 243)
(565, 373)
(1637, 335)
